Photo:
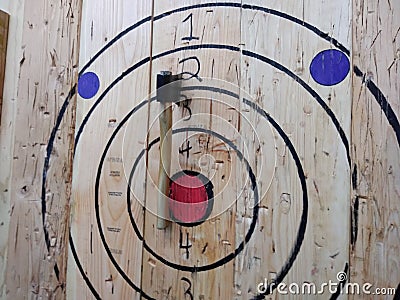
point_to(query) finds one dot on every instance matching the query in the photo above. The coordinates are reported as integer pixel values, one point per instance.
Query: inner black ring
(249, 233)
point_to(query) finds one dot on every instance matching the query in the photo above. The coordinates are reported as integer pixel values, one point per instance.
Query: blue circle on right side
(330, 67)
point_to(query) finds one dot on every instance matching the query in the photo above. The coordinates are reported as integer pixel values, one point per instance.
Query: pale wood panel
(375, 240)
(102, 21)
(46, 73)
(324, 251)
(6, 131)
(215, 238)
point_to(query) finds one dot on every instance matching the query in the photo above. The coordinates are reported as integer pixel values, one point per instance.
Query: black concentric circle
(376, 92)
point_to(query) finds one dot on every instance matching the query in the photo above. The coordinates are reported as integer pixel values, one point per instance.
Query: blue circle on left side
(88, 85)
(330, 67)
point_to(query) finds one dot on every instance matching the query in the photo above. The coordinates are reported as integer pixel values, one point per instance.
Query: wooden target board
(260, 140)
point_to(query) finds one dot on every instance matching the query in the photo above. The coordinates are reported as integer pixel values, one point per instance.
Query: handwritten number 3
(188, 292)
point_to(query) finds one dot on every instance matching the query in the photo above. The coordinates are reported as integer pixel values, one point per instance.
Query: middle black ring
(231, 256)
(214, 265)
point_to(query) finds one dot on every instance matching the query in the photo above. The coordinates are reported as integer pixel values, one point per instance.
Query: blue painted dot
(330, 67)
(88, 85)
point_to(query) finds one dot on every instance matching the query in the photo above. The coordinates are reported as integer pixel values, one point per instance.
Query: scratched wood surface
(101, 22)
(209, 242)
(213, 240)
(324, 250)
(375, 239)
(252, 108)
(46, 73)
(6, 138)
(168, 257)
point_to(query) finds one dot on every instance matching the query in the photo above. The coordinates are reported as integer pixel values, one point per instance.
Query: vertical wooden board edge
(7, 113)
(4, 27)
(94, 274)
(43, 266)
(67, 255)
(374, 243)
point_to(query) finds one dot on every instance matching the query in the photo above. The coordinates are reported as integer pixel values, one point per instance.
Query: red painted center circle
(188, 199)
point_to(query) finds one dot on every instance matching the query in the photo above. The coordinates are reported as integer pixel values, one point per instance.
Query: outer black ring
(300, 235)
(303, 223)
(376, 92)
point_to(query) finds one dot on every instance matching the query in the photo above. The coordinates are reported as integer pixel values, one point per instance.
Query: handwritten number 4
(190, 37)
(187, 246)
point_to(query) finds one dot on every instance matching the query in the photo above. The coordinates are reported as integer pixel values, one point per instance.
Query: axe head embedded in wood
(168, 87)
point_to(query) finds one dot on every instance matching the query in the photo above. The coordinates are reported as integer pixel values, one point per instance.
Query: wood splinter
(167, 93)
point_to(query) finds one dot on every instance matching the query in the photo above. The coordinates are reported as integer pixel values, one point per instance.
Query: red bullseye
(191, 198)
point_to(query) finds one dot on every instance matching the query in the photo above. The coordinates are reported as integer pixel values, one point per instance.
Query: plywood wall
(303, 168)
(5, 149)
(44, 69)
(375, 252)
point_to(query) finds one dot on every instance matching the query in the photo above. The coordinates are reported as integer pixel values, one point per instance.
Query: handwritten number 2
(192, 75)
(188, 292)
(190, 37)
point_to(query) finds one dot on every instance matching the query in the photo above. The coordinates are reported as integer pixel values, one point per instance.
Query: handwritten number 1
(190, 37)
